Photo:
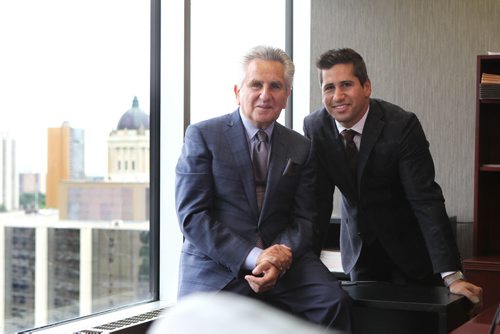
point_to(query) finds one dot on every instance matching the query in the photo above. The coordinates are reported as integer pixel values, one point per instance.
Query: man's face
(264, 92)
(343, 95)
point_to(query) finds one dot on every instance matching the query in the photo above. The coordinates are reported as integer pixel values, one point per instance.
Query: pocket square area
(292, 168)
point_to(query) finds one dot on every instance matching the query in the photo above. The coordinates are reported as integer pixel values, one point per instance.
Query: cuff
(251, 259)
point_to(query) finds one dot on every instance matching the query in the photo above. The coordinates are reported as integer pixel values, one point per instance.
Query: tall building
(65, 159)
(128, 147)
(29, 182)
(9, 193)
(104, 201)
(18, 266)
(29, 188)
(53, 270)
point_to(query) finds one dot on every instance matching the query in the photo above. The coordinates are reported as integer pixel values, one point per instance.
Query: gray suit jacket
(394, 198)
(217, 205)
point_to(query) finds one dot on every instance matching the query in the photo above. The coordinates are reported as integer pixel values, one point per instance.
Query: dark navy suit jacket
(394, 197)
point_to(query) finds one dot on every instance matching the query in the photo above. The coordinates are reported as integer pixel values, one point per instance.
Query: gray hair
(271, 54)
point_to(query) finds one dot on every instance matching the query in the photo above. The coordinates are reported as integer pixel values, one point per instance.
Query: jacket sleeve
(195, 196)
(417, 174)
(323, 193)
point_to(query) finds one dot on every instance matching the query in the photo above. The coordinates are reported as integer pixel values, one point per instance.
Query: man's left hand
(472, 292)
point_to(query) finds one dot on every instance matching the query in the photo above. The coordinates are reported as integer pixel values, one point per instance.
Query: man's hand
(279, 256)
(472, 292)
(264, 277)
(272, 263)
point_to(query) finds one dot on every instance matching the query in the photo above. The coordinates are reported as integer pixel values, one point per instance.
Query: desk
(388, 308)
(480, 324)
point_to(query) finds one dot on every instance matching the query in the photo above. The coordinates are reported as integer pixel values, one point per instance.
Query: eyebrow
(340, 83)
(273, 82)
(346, 81)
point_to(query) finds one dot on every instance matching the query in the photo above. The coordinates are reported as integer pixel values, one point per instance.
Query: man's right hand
(264, 277)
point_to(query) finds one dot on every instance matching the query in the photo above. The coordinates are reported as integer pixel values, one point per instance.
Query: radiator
(137, 324)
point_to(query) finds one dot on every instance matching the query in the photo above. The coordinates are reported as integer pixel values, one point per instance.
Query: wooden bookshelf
(484, 268)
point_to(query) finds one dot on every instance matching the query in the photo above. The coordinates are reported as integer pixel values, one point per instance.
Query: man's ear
(237, 94)
(367, 87)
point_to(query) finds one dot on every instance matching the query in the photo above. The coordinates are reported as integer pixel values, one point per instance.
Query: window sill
(93, 321)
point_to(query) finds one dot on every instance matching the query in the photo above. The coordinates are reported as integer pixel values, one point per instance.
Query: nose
(265, 93)
(338, 95)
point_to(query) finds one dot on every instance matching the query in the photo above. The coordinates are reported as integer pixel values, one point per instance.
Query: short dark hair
(343, 56)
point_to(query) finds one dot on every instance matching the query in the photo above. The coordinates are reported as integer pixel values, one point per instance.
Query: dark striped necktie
(351, 150)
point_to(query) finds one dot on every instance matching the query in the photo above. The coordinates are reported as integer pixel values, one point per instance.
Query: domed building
(123, 195)
(134, 118)
(128, 147)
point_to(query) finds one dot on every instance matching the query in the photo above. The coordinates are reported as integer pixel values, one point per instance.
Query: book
(489, 78)
(489, 87)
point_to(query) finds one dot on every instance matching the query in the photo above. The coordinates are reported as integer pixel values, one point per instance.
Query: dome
(134, 118)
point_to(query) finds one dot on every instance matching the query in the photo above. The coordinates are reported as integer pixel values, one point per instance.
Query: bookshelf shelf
(490, 101)
(490, 168)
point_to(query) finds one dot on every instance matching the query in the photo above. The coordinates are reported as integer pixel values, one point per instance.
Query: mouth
(264, 107)
(340, 107)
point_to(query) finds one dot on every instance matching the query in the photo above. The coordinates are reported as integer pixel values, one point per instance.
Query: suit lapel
(371, 131)
(237, 142)
(277, 163)
(333, 152)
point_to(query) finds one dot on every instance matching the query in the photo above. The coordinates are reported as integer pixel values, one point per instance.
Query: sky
(62, 61)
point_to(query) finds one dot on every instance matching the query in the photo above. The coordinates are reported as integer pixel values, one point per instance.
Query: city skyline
(31, 152)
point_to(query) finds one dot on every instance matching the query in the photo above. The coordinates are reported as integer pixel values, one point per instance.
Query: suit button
(360, 234)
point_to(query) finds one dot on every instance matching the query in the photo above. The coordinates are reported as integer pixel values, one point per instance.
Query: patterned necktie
(351, 150)
(259, 159)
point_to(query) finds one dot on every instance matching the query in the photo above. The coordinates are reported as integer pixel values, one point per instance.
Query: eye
(276, 86)
(328, 88)
(255, 85)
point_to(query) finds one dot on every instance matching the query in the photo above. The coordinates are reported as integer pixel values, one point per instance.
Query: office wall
(420, 54)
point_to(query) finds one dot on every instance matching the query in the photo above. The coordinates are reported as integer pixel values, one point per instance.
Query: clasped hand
(272, 263)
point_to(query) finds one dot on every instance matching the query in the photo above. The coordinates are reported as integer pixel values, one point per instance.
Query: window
(217, 47)
(75, 88)
(72, 85)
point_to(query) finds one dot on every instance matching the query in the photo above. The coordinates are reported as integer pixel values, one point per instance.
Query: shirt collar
(251, 130)
(358, 127)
